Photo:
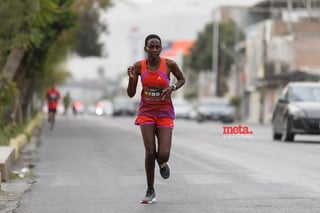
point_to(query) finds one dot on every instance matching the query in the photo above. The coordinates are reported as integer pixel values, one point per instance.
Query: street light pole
(215, 50)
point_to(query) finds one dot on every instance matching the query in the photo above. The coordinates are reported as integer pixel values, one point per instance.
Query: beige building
(278, 52)
(281, 45)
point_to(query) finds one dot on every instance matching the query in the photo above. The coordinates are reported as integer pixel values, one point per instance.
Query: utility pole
(215, 50)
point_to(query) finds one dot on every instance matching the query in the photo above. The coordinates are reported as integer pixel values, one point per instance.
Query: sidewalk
(12, 190)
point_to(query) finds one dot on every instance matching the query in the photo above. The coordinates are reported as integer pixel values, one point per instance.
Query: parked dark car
(215, 108)
(297, 111)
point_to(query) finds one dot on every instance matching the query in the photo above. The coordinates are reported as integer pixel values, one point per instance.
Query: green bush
(235, 101)
(9, 131)
(8, 96)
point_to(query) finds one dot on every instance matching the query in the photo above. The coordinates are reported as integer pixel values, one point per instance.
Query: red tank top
(53, 98)
(153, 82)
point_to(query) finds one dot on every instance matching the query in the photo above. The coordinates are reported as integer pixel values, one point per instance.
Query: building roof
(283, 3)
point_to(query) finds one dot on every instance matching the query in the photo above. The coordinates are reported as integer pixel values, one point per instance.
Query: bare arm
(176, 71)
(133, 73)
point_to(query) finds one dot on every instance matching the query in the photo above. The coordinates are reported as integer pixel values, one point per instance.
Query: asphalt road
(96, 164)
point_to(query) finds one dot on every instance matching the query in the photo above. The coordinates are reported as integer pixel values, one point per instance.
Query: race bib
(53, 97)
(153, 93)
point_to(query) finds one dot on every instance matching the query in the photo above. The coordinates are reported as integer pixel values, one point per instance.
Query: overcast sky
(129, 21)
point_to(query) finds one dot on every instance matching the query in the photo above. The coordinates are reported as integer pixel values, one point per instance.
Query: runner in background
(53, 97)
(66, 102)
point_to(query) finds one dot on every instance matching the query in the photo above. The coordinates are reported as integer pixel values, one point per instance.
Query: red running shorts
(160, 122)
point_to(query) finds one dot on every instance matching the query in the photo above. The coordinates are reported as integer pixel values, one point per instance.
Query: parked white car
(182, 108)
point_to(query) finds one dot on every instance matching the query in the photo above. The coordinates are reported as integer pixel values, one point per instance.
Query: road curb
(18, 142)
(23, 138)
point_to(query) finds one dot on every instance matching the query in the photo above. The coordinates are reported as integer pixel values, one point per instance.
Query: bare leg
(50, 116)
(148, 134)
(164, 136)
(51, 119)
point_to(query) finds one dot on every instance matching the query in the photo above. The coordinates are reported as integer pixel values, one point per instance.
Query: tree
(33, 31)
(29, 29)
(90, 27)
(35, 38)
(200, 58)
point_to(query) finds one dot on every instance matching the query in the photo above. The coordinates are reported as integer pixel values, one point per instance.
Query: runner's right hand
(131, 72)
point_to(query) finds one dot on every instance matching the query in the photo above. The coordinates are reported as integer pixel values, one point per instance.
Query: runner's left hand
(166, 93)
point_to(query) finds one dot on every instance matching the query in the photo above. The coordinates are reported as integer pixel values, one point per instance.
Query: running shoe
(164, 170)
(150, 197)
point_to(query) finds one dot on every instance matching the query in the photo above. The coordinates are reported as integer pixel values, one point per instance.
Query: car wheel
(200, 118)
(226, 120)
(287, 134)
(277, 136)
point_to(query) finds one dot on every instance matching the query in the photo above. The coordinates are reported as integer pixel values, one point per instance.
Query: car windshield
(306, 94)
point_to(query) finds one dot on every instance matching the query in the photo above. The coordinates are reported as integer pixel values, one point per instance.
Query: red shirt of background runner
(52, 97)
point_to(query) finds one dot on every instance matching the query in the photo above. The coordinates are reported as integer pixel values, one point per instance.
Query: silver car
(297, 111)
(123, 106)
